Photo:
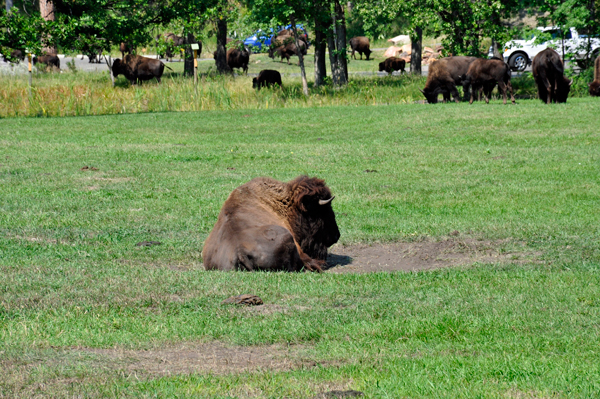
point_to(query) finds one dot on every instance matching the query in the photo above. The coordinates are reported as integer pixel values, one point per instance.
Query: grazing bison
(360, 44)
(444, 75)
(266, 224)
(137, 68)
(287, 50)
(238, 59)
(172, 41)
(392, 64)
(484, 73)
(595, 85)
(548, 72)
(266, 78)
(50, 60)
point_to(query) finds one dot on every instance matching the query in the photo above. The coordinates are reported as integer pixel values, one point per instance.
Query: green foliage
(20, 31)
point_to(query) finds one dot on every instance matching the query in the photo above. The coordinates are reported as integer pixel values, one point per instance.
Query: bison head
(312, 218)
(254, 83)
(431, 94)
(562, 90)
(595, 88)
(118, 67)
(381, 66)
(271, 52)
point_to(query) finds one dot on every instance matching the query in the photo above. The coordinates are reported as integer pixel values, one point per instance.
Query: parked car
(519, 53)
(262, 39)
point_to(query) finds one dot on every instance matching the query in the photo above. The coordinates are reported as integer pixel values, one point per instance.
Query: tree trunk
(109, 64)
(496, 50)
(335, 70)
(9, 4)
(340, 36)
(300, 56)
(188, 66)
(416, 48)
(221, 53)
(47, 13)
(320, 48)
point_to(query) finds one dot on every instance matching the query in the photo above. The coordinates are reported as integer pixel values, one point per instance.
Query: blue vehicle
(260, 38)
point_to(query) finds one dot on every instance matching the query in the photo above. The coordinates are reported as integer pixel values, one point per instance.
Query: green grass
(524, 175)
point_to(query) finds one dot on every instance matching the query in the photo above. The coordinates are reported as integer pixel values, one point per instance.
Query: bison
(172, 41)
(360, 44)
(15, 55)
(238, 59)
(137, 68)
(595, 85)
(270, 225)
(444, 75)
(392, 64)
(484, 73)
(267, 78)
(125, 48)
(50, 60)
(548, 73)
(287, 50)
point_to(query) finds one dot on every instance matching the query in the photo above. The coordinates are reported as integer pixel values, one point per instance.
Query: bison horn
(422, 91)
(327, 201)
(570, 82)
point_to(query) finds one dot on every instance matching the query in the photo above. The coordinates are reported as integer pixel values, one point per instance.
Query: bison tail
(169, 68)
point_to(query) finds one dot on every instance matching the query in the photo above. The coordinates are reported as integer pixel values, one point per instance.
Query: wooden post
(195, 47)
(30, 73)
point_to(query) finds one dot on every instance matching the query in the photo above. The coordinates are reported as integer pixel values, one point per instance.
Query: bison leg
(512, 97)
(502, 88)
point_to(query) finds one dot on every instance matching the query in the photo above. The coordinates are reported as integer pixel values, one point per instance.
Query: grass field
(85, 312)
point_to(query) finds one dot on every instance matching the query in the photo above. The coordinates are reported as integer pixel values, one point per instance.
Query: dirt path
(415, 256)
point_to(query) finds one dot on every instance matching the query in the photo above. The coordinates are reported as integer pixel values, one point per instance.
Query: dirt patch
(423, 255)
(213, 357)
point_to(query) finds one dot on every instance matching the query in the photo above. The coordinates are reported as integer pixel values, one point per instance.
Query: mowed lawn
(81, 304)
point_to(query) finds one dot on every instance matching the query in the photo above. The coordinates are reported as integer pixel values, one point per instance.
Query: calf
(360, 44)
(392, 64)
(482, 73)
(267, 78)
(548, 72)
(595, 85)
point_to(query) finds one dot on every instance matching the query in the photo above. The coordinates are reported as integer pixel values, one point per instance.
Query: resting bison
(360, 44)
(266, 78)
(482, 73)
(595, 85)
(548, 72)
(392, 64)
(287, 50)
(266, 224)
(50, 60)
(444, 76)
(137, 68)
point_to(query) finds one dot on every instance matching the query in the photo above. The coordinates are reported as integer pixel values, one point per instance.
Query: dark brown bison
(267, 78)
(50, 60)
(444, 75)
(287, 50)
(360, 44)
(137, 68)
(125, 48)
(266, 224)
(392, 64)
(15, 56)
(595, 85)
(237, 58)
(483, 72)
(548, 72)
(172, 42)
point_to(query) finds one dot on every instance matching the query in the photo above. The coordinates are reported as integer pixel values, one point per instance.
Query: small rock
(147, 243)
(244, 299)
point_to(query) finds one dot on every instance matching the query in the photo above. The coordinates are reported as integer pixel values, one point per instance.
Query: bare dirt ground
(202, 358)
(422, 255)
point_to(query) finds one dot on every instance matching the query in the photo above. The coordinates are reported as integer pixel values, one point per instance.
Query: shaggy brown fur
(482, 73)
(595, 85)
(266, 224)
(548, 72)
(50, 60)
(360, 44)
(137, 68)
(267, 78)
(392, 64)
(444, 75)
